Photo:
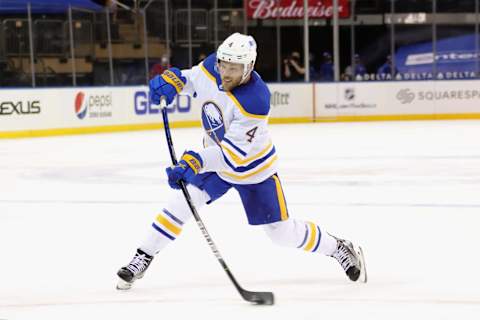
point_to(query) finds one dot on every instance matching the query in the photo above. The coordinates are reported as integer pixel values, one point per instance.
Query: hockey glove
(168, 84)
(188, 166)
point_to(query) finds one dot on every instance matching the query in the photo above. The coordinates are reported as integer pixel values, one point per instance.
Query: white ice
(73, 209)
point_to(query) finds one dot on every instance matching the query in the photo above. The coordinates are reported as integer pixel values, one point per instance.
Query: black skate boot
(351, 260)
(134, 270)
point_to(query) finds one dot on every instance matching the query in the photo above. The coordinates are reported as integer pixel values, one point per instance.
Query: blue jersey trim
(243, 153)
(251, 165)
(253, 96)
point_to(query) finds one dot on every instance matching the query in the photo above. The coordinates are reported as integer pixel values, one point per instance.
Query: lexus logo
(405, 96)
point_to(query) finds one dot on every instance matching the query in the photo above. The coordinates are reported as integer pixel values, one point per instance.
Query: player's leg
(168, 224)
(308, 236)
(265, 205)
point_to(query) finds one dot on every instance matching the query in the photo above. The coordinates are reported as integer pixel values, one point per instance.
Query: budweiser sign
(293, 9)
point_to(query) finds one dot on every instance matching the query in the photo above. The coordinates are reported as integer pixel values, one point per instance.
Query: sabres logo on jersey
(212, 121)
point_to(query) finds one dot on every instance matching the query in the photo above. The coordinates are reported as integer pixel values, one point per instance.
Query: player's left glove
(168, 84)
(189, 165)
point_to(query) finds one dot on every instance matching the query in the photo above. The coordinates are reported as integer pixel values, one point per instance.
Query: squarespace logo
(407, 96)
(22, 107)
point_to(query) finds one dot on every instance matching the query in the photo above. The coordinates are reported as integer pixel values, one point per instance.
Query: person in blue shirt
(360, 69)
(385, 70)
(326, 69)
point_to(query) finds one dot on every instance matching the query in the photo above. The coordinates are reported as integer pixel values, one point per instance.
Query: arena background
(377, 137)
(87, 45)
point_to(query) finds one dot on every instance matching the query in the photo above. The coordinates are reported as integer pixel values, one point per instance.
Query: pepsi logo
(80, 105)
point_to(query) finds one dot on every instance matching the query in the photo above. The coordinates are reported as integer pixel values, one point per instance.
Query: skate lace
(138, 264)
(344, 257)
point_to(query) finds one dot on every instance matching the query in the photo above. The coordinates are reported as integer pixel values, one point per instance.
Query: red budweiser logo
(293, 9)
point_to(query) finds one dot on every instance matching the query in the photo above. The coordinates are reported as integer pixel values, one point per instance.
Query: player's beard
(230, 84)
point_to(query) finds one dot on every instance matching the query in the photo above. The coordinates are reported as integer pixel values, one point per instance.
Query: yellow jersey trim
(240, 161)
(232, 97)
(208, 74)
(242, 110)
(267, 165)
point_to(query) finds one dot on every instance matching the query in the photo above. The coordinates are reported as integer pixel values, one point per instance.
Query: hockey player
(238, 153)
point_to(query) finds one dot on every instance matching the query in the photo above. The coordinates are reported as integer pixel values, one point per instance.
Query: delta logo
(80, 105)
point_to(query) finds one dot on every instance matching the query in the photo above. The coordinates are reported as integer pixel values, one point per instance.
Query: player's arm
(172, 82)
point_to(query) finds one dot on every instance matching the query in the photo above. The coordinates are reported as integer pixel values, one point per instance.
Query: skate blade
(123, 285)
(363, 268)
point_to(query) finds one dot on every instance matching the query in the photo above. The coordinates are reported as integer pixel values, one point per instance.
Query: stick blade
(260, 298)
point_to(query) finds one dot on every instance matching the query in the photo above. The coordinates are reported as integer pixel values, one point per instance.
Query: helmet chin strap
(246, 74)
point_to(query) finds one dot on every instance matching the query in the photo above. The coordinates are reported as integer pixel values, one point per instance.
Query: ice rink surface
(73, 209)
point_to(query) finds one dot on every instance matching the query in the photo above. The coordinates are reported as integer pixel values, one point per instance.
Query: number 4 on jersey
(251, 134)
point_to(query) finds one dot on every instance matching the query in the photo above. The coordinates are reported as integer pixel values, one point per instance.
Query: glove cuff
(171, 78)
(193, 160)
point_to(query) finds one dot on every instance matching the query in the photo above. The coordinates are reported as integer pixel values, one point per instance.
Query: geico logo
(103, 100)
(143, 105)
(19, 107)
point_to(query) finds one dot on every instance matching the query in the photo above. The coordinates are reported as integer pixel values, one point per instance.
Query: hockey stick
(261, 298)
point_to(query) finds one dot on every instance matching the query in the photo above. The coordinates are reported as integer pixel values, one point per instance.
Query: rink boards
(58, 111)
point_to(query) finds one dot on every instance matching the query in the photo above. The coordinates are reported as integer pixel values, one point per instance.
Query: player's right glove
(185, 170)
(168, 84)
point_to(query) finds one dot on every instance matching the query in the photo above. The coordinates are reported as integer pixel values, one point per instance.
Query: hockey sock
(168, 224)
(302, 235)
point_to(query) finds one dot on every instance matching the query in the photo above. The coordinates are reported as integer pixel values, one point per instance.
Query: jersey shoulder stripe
(252, 98)
(208, 66)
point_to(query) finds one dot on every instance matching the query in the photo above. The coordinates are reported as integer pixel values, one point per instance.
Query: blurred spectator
(385, 70)
(314, 74)
(159, 67)
(360, 70)
(111, 5)
(201, 57)
(293, 70)
(326, 69)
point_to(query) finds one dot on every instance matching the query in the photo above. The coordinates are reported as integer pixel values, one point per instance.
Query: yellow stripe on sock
(167, 224)
(313, 237)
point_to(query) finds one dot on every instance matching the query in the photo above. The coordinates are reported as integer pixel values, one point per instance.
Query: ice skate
(351, 259)
(134, 270)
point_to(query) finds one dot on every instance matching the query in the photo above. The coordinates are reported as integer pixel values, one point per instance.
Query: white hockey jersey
(237, 143)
